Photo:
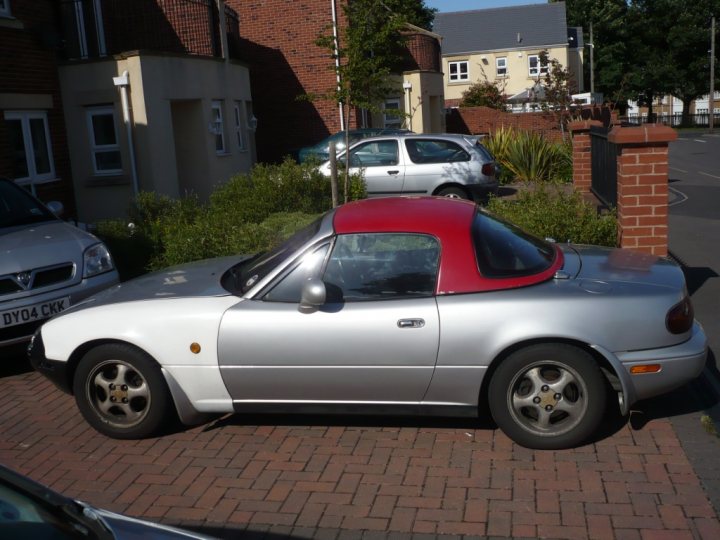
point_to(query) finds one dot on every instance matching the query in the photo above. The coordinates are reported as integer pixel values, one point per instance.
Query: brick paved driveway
(274, 476)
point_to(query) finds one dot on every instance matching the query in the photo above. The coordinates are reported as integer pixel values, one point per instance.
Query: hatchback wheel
(548, 396)
(453, 193)
(121, 392)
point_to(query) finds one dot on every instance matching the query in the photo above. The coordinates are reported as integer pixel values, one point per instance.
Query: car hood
(128, 528)
(42, 244)
(191, 280)
(612, 265)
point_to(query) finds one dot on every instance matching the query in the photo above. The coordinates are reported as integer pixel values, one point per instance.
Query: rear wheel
(453, 193)
(122, 393)
(548, 396)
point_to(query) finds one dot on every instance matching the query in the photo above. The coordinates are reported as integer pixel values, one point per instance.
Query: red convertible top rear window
(502, 250)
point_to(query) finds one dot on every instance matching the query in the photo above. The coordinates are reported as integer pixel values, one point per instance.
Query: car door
(382, 164)
(375, 340)
(433, 162)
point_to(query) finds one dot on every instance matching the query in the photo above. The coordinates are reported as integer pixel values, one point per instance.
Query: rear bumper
(679, 364)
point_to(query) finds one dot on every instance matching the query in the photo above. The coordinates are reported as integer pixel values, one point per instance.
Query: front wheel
(548, 396)
(121, 392)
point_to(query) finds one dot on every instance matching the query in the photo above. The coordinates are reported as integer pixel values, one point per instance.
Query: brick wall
(478, 120)
(423, 53)
(278, 42)
(28, 66)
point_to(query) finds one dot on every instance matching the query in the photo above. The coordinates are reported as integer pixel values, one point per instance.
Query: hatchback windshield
(18, 207)
(503, 250)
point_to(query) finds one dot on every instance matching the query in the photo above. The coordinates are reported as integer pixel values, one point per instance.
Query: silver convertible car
(421, 305)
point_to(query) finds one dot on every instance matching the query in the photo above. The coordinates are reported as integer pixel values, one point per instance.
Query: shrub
(552, 211)
(250, 213)
(527, 156)
(484, 94)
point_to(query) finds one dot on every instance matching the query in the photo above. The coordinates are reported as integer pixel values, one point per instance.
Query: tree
(484, 94)
(369, 49)
(558, 85)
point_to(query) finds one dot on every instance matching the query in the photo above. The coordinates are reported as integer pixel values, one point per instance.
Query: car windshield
(503, 250)
(18, 207)
(241, 277)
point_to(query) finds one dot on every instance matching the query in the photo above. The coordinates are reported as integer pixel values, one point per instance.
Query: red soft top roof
(450, 221)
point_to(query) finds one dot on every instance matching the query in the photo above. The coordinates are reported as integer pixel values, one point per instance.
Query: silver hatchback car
(449, 165)
(46, 265)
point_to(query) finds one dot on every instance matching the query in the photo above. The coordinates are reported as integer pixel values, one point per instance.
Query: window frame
(363, 144)
(103, 110)
(541, 70)
(503, 67)
(240, 126)
(217, 124)
(24, 116)
(391, 121)
(5, 8)
(459, 76)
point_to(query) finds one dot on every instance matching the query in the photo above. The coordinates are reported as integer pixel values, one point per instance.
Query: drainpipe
(337, 58)
(222, 23)
(123, 82)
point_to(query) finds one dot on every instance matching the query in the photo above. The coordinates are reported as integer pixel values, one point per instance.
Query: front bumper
(54, 370)
(679, 364)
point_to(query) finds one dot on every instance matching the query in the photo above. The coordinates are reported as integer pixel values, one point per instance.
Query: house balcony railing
(97, 28)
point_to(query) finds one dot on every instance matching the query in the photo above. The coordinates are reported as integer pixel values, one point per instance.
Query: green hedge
(555, 212)
(250, 213)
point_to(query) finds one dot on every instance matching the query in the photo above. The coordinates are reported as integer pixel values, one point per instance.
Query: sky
(464, 5)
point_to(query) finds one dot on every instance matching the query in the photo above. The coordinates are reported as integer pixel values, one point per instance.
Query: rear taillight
(680, 317)
(488, 169)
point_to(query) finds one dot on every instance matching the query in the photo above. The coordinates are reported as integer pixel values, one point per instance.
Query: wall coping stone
(583, 125)
(650, 133)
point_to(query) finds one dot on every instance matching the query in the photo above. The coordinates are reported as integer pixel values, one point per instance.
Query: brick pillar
(582, 168)
(642, 170)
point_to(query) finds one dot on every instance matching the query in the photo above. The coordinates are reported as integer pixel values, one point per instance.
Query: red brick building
(278, 42)
(33, 137)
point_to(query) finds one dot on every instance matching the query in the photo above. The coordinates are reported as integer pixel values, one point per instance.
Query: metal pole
(592, 67)
(711, 97)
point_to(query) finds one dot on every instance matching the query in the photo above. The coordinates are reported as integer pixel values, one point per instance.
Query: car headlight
(96, 260)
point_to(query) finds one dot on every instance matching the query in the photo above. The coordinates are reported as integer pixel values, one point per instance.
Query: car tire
(121, 392)
(548, 396)
(454, 193)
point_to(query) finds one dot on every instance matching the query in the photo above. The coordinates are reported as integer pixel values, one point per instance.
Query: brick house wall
(28, 63)
(278, 42)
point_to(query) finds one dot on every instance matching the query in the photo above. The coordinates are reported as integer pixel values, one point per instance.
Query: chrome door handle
(393, 172)
(411, 323)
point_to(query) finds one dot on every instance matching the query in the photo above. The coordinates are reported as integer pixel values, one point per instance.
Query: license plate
(37, 312)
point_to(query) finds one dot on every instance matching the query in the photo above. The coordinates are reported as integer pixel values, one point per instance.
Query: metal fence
(603, 159)
(672, 120)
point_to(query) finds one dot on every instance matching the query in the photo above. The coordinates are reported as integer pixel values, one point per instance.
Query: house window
(501, 66)
(535, 69)
(459, 71)
(103, 138)
(216, 126)
(31, 154)
(392, 119)
(4, 8)
(240, 126)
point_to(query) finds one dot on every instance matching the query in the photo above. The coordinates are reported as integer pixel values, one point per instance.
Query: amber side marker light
(194, 348)
(645, 368)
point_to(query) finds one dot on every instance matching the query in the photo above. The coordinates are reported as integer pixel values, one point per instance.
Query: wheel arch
(77, 355)
(609, 366)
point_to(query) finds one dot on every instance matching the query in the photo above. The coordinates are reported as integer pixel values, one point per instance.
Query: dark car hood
(42, 244)
(611, 265)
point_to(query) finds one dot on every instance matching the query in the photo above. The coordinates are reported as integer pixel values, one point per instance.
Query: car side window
(375, 154)
(382, 266)
(435, 151)
(290, 287)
